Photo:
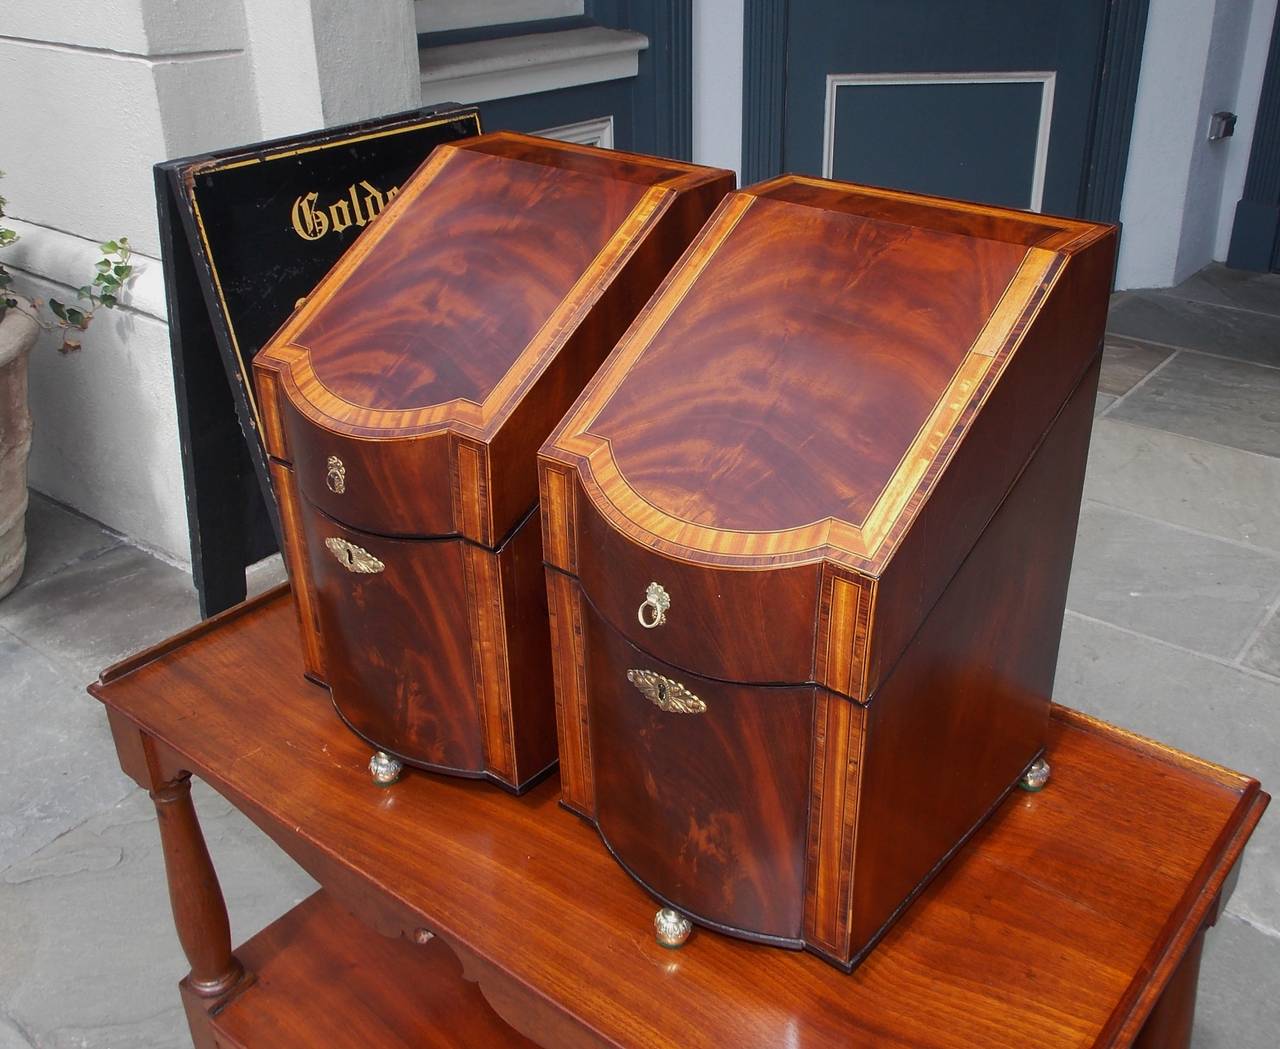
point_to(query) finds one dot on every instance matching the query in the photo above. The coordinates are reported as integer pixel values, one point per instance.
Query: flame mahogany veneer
(847, 437)
(403, 406)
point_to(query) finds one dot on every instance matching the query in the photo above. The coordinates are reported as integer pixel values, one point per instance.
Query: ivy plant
(111, 275)
(7, 237)
(112, 272)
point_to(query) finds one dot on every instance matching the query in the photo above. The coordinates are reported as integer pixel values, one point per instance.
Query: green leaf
(124, 241)
(103, 266)
(85, 292)
(109, 301)
(109, 247)
(77, 318)
(58, 310)
(120, 270)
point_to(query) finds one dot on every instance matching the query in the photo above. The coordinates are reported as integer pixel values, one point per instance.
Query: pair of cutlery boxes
(753, 509)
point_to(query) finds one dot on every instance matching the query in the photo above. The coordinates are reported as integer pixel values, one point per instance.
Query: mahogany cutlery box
(403, 406)
(808, 533)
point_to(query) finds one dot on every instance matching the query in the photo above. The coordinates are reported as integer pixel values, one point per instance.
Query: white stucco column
(317, 63)
(366, 56)
(285, 73)
(105, 91)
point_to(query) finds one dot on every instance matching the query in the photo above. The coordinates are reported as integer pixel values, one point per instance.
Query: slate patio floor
(1172, 630)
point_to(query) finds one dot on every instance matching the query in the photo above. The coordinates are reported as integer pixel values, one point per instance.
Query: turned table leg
(199, 911)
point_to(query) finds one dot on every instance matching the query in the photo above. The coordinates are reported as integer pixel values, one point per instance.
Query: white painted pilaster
(717, 83)
(285, 73)
(1178, 183)
(366, 57)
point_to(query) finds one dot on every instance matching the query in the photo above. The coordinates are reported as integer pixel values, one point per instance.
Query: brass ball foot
(672, 928)
(1035, 778)
(384, 769)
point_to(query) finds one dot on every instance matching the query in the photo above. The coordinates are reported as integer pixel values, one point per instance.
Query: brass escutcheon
(353, 558)
(665, 694)
(336, 478)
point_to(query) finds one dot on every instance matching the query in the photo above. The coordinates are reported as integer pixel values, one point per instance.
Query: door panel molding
(595, 132)
(765, 30)
(1045, 78)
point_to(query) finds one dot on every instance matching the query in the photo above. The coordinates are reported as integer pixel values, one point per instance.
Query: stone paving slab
(1223, 401)
(1240, 289)
(99, 610)
(57, 536)
(1264, 650)
(1189, 325)
(1185, 481)
(57, 762)
(1239, 1002)
(1126, 362)
(1198, 592)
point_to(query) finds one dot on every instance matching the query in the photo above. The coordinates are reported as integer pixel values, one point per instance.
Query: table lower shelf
(321, 978)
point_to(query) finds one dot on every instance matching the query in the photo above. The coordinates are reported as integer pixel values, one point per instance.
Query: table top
(1058, 925)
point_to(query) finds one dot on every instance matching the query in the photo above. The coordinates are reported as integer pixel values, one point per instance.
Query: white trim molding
(525, 65)
(595, 132)
(1046, 79)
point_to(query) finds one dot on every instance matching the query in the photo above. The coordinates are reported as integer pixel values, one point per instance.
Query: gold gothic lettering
(362, 203)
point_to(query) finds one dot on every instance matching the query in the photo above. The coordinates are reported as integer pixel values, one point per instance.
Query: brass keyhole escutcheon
(665, 694)
(335, 478)
(353, 558)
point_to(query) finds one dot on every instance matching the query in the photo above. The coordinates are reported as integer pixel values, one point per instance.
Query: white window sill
(525, 65)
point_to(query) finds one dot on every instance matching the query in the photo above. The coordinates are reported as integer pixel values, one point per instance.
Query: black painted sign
(271, 222)
(247, 233)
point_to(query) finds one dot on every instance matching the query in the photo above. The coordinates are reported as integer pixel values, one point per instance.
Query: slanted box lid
(458, 298)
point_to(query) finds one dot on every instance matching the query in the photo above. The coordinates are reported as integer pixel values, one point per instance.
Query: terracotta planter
(18, 334)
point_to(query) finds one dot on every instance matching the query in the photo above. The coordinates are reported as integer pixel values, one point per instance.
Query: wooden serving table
(1075, 917)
